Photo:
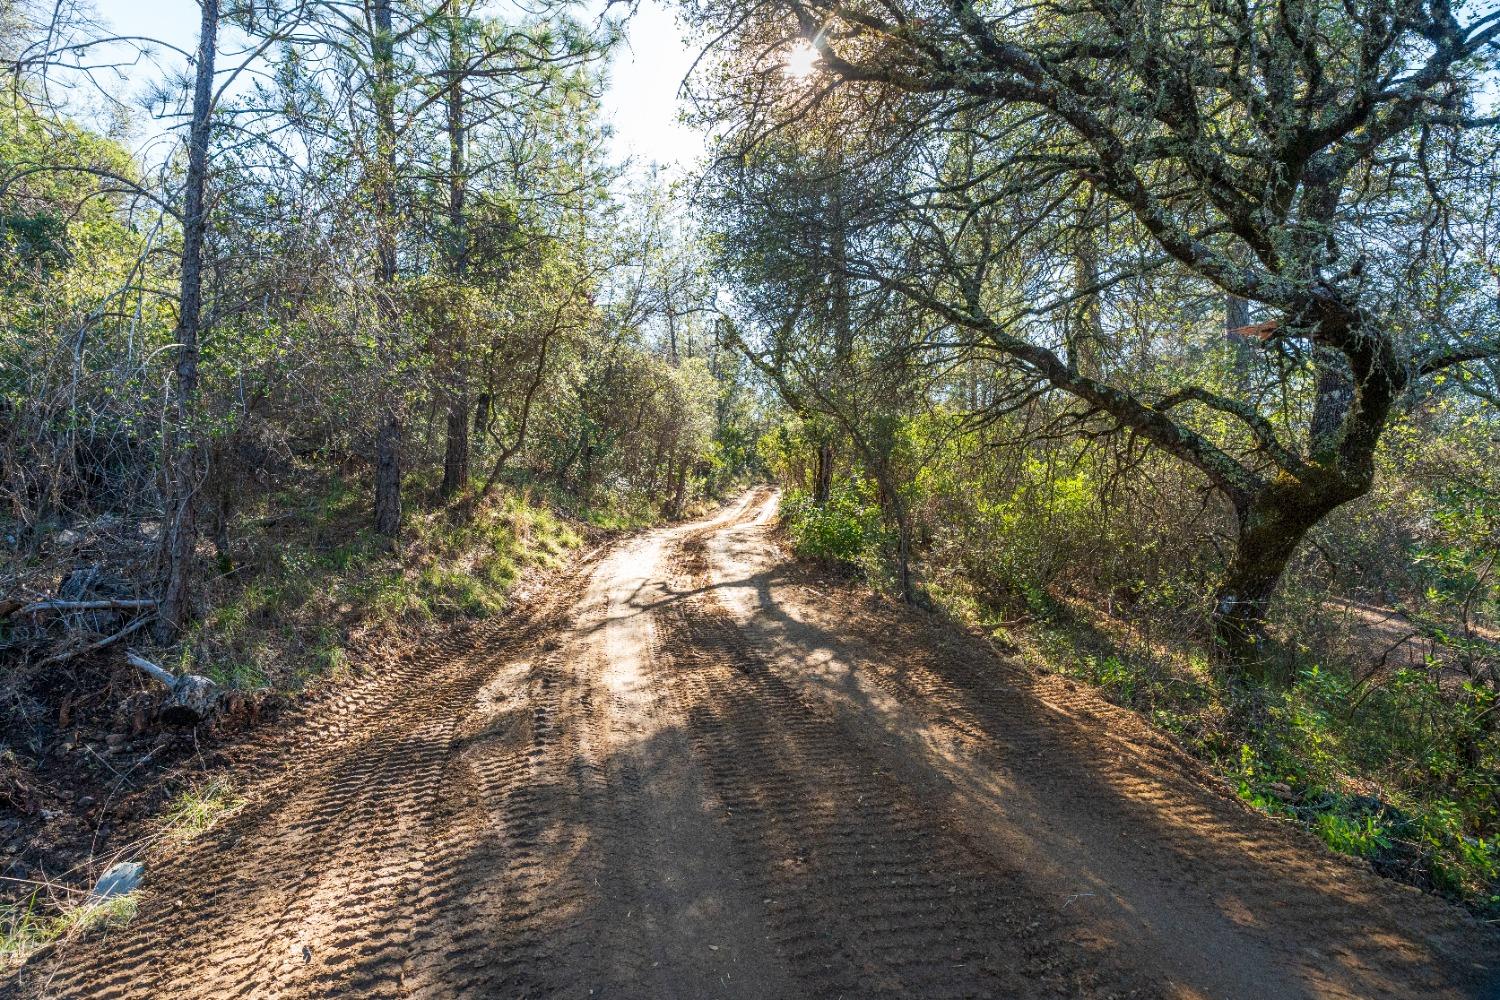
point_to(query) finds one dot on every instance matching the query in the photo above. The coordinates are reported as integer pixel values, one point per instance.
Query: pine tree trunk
(456, 452)
(388, 434)
(181, 525)
(388, 476)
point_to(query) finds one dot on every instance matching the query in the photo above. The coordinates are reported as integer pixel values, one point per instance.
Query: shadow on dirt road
(692, 770)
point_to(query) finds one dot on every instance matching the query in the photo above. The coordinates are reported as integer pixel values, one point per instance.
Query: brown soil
(695, 770)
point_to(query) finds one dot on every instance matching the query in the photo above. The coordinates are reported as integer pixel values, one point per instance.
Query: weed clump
(37, 922)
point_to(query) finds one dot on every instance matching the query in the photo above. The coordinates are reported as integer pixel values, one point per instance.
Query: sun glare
(801, 60)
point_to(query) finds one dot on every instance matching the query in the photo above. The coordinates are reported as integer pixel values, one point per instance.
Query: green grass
(30, 925)
(199, 808)
(317, 584)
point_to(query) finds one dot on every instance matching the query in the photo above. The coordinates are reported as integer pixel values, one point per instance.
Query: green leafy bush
(839, 532)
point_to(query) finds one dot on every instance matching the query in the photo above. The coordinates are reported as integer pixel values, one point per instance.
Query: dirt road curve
(691, 771)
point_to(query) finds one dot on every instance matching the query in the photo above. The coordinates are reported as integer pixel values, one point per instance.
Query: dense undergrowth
(1395, 768)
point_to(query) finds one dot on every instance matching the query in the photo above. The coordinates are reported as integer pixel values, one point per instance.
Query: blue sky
(644, 74)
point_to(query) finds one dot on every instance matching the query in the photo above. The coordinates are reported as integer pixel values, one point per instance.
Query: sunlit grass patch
(197, 809)
(300, 603)
(31, 924)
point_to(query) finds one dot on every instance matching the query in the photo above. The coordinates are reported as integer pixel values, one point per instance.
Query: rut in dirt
(689, 770)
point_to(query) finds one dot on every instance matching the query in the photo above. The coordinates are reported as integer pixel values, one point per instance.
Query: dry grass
(52, 916)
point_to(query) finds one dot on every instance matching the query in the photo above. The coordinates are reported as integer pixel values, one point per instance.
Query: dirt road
(693, 771)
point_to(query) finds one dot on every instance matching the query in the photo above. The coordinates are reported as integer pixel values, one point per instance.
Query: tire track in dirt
(327, 858)
(223, 925)
(513, 867)
(509, 891)
(869, 892)
(695, 930)
(673, 778)
(572, 859)
(1091, 801)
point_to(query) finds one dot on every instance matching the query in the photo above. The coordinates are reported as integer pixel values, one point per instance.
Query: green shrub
(1363, 836)
(839, 532)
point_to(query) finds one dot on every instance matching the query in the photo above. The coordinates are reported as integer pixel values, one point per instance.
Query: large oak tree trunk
(1354, 391)
(1272, 524)
(1271, 527)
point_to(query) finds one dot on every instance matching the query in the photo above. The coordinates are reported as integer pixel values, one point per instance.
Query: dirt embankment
(692, 770)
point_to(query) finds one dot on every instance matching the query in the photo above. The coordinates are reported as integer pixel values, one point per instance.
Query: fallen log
(105, 604)
(190, 699)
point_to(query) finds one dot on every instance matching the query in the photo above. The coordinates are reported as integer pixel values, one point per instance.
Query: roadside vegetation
(37, 922)
(1159, 344)
(314, 593)
(1375, 724)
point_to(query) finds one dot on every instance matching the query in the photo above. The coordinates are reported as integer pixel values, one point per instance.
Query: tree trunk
(1237, 317)
(181, 533)
(482, 416)
(903, 561)
(388, 476)
(1086, 327)
(903, 548)
(224, 493)
(1334, 393)
(1272, 524)
(1353, 394)
(843, 327)
(894, 506)
(679, 491)
(456, 454)
(823, 484)
(388, 434)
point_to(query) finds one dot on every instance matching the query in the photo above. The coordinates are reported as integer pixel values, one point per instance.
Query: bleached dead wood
(190, 698)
